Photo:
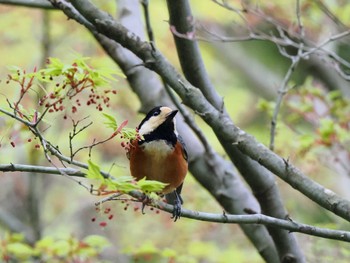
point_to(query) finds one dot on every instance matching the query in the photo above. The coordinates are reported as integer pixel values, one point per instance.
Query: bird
(159, 153)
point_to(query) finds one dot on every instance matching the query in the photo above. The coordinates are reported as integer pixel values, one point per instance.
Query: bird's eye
(156, 113)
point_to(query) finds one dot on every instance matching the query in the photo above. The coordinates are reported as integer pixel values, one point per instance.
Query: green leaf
(110, 122)
(45, 243)
(93, 171)
(148, 248)
(61, 248)
(20, 250)
(266, 106)
(97, 242)
(16, 237)
(334, 95)
(306, 141)
(150, 185)
(169, 253)
(327, 128)
(123, 184)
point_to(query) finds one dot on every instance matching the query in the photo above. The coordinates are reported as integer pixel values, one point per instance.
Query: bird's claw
(145, 200)
(177, 209)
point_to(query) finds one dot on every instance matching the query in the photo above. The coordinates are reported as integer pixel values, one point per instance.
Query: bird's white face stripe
(152, 123)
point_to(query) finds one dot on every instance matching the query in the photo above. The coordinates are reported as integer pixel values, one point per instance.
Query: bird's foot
(177, 207)
(145, 200)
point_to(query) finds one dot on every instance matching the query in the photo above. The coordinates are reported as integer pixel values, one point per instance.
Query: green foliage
(266, 106)
(125, 132)
(93, 171)
(60, 87)
(19, 251)
(306, 141)
(123, 184)
(52, 249)
(150, 185)
(148, 252)
(196, 251)
(319, 118)
(76, 71)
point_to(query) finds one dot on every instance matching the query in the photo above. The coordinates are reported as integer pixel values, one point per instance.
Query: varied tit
(160, 154)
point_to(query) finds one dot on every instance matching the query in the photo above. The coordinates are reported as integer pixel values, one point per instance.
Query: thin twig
(42, 4)
(149, 29)
(284, 85)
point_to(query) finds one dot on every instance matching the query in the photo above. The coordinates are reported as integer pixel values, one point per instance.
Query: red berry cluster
(54, 101)
(99, 100)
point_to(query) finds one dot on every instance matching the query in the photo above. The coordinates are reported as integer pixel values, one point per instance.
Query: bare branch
(40, 169)
(42, 4)
(286, 224)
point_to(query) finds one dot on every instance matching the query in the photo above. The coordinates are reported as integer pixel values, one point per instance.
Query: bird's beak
(171, 115)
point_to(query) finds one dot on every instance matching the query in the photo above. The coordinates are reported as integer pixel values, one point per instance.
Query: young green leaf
(150, 185)
(123, 184)
(110, 122)
(20, 250)
(97, 242)
(93, 171)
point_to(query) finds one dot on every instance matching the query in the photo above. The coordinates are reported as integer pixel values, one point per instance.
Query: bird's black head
(159, 124)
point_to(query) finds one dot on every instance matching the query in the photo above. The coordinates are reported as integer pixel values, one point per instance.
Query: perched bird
(159, 154)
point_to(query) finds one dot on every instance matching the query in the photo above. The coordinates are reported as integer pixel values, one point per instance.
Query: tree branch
(258, 178)
(43, 4)
(290, 225)
(182, 21)
(40, 169)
